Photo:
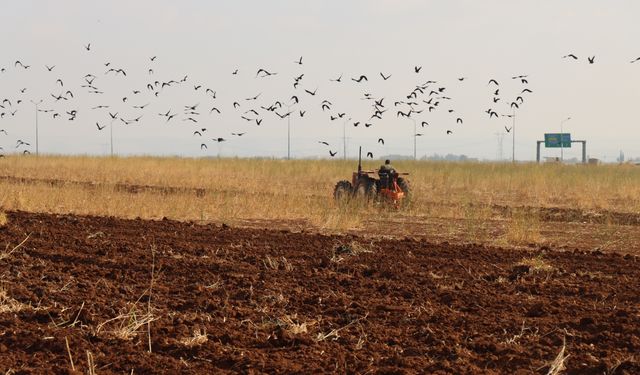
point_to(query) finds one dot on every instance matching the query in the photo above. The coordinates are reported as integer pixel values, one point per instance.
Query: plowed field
(132, 296)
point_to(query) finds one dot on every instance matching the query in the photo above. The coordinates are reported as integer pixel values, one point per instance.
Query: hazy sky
(208, 40)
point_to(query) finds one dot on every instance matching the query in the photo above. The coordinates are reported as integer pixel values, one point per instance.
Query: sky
(208, 40)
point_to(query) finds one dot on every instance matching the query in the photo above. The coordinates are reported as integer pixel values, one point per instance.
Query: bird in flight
(637, 59)
(362, 77)
(332, 153)
(449, 131)
(88, 47)
(417, 69)
(380, 140)
(507, 129)
(264, 73)
(324, 143)
(49, 68)
(591, 59)
(100, 127)
(299, 62)
(370, 155)
(459, 120)
(494, 82)
(571, 55)
(238, 134)
(383, 76)
(339, 79)
(312, 93)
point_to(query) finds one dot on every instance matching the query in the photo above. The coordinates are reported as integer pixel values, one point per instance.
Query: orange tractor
(389, 187)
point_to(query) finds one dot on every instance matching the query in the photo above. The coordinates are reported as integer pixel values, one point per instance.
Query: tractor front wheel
(343, 190)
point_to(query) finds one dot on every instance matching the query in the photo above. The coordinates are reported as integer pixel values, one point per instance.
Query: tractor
(389, 187)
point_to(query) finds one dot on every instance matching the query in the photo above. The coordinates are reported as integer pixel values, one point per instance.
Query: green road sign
(557, 140)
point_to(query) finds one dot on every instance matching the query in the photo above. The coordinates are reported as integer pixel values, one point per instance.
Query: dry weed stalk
(66, 340)
(8, 304)
(5, 254)
(199, 337)
(130, 323)
(557, 366)
(335, 332)
(91, 364)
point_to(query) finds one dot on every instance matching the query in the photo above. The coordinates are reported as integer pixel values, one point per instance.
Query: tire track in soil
(368, 305)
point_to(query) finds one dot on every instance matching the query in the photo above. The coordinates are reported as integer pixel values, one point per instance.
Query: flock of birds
(423, 98)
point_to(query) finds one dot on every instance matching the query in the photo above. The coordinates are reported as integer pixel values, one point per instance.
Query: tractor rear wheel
(343, 190)
(406, 188)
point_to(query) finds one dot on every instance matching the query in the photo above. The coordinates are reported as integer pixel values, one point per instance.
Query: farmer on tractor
(385, 172)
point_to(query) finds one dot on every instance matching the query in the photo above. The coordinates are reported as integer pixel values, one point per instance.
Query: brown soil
(270, 301)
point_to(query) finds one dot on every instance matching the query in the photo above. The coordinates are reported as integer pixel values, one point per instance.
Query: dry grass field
(492, 268)
(497, 203)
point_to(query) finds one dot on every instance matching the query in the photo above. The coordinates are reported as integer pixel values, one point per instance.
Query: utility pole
(499, 154)
(415, 136)
(37, 104)
(111, 136)
(513, 133)
(561, 139)
(344, 138)
(289, 132)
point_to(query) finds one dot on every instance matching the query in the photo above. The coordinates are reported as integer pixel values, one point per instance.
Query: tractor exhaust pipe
(359, 160)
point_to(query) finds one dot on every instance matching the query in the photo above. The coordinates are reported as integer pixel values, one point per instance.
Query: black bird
(197, 133)
(100, 127)
(235, 72)
(514, 105)
(295, 99)
(507, 129)
(380, 140)
(214, 109)
(238, 134)
(236, 104)
(324, 143)
(258, 121)
(424, 123)
(356, 123)
(218, 139)
(366, 125)
(637, 59)
(570, 55)
(360, 79)
(493, 81)
(153, 58)
(20, 143)
(265, 73)
(88, 47)
(49, 68)
(591, 59)
(254, 97)
(302, 113)
(203, 146)
(385, 78)
(337, 79)
(283, 116)
(332, 153)
(370, 155)
(449, 131)
(312, 93)
(196, 87)
(113, 117)
(417, 69)
(299, 62)
(459, 120)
